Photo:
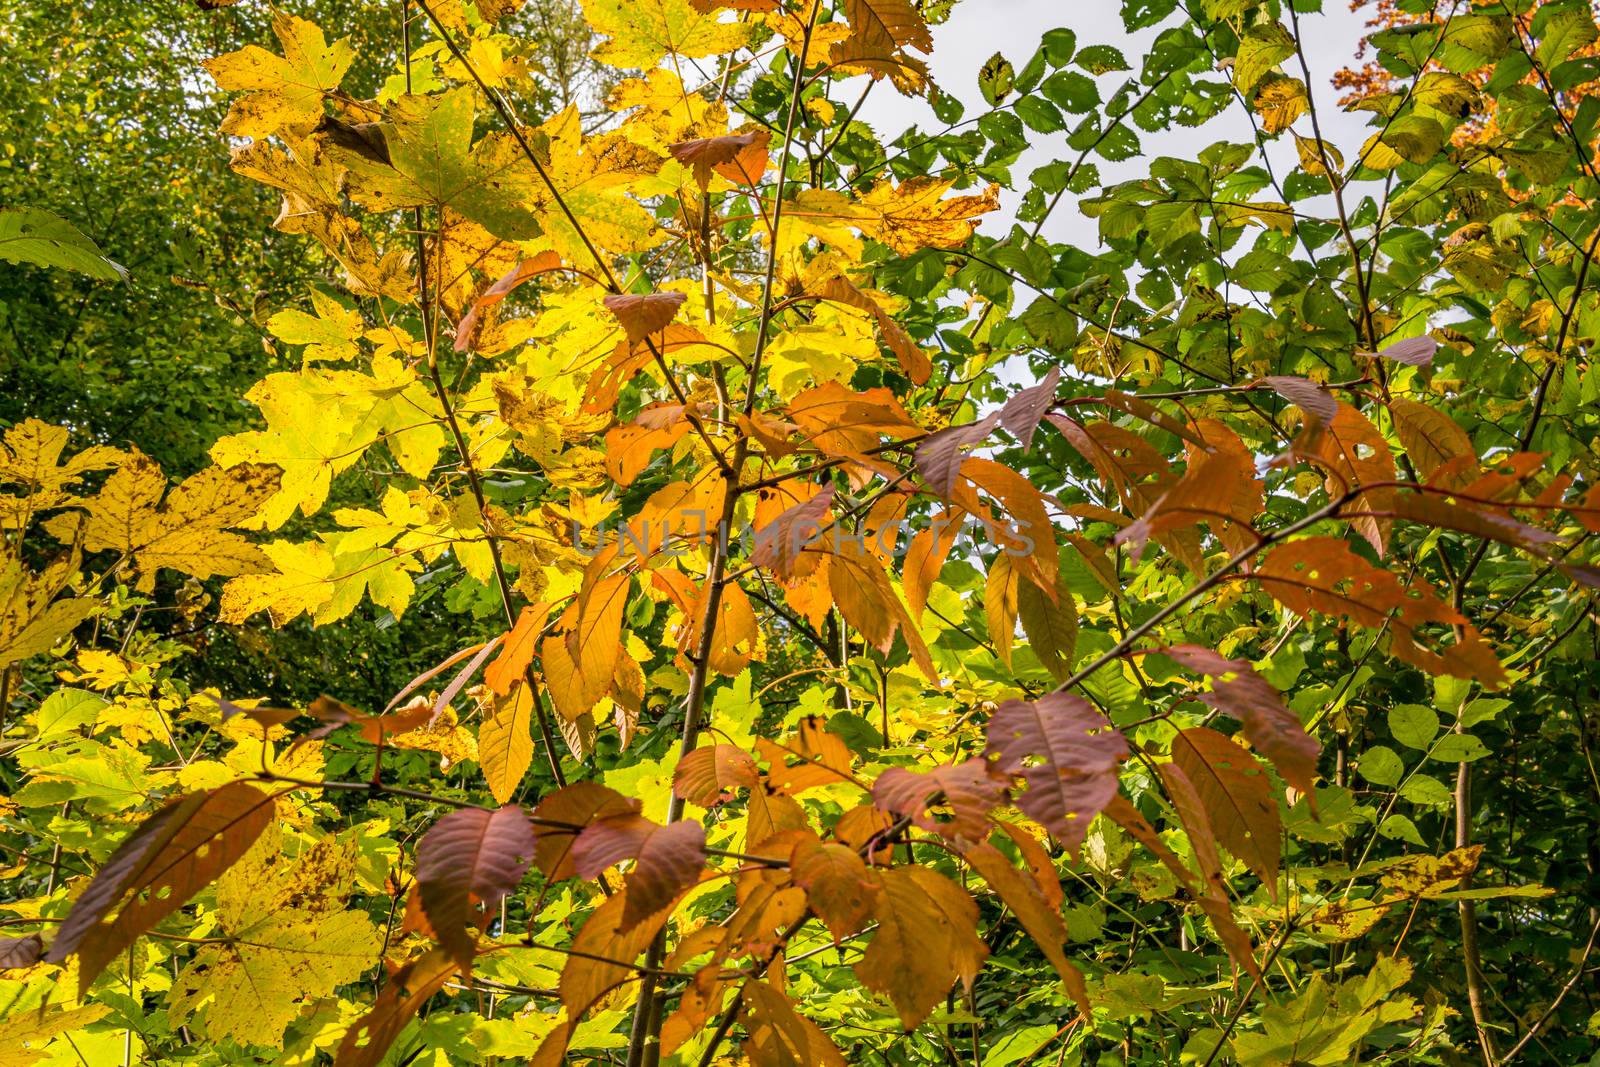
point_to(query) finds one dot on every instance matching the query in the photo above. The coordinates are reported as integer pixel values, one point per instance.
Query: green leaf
(66, 710)
(32, 235)
(1459, 748)
(1380, 766)
(1414, 725)
(995, 79)
(1101, 59)
(1262, 49)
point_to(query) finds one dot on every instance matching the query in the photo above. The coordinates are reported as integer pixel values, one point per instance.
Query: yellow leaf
(187, 532)
(505, 741)
(643, 32)
(24, 1037)
(285, 92)
(286, 937)
(330, 334)
(914, 215)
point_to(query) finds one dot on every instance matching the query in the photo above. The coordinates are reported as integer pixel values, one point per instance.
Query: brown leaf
(1237, 796)
(939, 456)
(1323, 574)
(1413, 351)
(838, 885)
(1021, 414)
(819, 758)
(667, 859)
(926, 939)
(778, 1035)
(709, 775)
(1275, 731)
(20, 951)
(778, 544)
(173, 855)
(641, 316)
(403, 995)
(739, 157)
(1080, 752)
(1038, 916)
(469, 858)
(1319, 405)
(576, 805)
(970, 790)
(1354, 454)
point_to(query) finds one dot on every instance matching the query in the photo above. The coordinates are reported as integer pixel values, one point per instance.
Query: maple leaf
(285, 936)
(30, 456)
(643, 32)
(285, 92)
(880, 31)
(915, 215)
(470, 858)
(32, 618)
(187, 531)
(1080, 752)
(432, 161)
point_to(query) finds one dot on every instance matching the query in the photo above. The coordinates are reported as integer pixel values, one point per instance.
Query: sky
(979, 28)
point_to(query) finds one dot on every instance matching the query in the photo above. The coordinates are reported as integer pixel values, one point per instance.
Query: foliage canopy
(816, 692)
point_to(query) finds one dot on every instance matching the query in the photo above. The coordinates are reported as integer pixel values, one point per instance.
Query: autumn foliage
(876, 634)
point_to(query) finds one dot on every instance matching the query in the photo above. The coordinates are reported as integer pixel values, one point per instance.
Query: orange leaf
(709, 775)
(516, 651)
(926, 939)
(604, 952)
(1323, 574)
(1431, 438)
(837, 883)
